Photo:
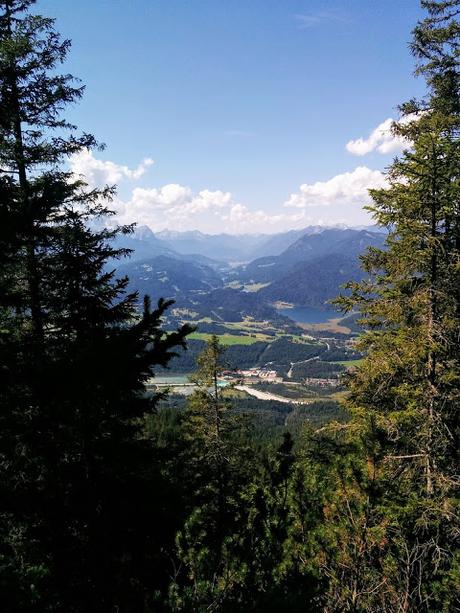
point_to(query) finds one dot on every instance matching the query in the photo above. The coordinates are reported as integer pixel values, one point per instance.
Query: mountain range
(226, 278)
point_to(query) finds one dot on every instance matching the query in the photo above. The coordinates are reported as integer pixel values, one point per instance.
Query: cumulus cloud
(176, 206)
(179, 207)
(166, 197)
(348, 188)
(241, 219)
(381, 139)
(176, 200)
(210, 200)
(99, 173)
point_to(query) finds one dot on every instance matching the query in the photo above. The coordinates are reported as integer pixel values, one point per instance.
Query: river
(266, 395)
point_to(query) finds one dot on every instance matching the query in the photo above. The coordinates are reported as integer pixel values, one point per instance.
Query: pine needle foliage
(405, 395)
(77, 478)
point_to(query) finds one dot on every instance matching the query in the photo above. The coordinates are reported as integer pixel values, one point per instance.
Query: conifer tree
(276, 552)
(207, 458)
(217, 466)
(79, 520)
(405, 396)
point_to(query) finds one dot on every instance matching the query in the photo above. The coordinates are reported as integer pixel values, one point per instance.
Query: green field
(253, 331)
(305, 340)
(350, 362)
(255, 287)
(250, 325)
(260, 328)
(228, 339)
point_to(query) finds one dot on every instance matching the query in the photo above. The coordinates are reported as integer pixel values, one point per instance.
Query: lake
(309, 315)
(171, 380)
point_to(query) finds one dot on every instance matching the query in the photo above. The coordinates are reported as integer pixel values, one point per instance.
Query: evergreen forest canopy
(112, 501)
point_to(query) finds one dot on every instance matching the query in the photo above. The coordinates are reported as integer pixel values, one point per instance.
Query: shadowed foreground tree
(212, 469)
(234, 550)
(405, 396)
(81, 528)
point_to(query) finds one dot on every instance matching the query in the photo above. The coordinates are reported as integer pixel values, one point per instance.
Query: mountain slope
(144, 244)
(169, 277)
(308, 272)
(226, 304)
(348, 243)
(275, 244)
(315, 282)
(223, 247)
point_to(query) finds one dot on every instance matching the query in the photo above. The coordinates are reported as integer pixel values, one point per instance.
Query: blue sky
(239, 103)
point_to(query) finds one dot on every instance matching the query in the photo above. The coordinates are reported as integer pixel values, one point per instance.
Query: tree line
(109, 502)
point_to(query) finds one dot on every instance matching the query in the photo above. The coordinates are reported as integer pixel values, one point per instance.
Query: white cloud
(381, 139)
(347, 189)
(337, 200)
(178, 207)
(175, 201)
(209, 200)
(241, 219)
(99, 173)
(168, 196)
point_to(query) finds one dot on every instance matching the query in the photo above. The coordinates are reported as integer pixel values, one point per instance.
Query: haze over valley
(228, 278)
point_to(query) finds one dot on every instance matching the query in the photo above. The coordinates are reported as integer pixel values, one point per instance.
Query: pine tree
(205, 431)
(277, 542)
(80, 523)
(207, 409)
(405, 396)
(238, 547)
(217, 466)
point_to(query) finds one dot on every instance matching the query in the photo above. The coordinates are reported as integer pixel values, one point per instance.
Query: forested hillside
(341, 242)
(315, 282)
(309, 272)
(334, 486)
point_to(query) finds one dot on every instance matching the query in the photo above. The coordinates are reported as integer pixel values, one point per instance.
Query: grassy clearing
(228, 339)
(296, 338)
(332, 325)
(350, 363)
(234, 285)
(250, 324)
(253, 331)
(263, 329)
(254, 287)
(339, 396)
(184, 313)
(232, 393)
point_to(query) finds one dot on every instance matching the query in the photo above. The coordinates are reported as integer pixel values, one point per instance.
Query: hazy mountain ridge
(314, 282)
(308, 272)
(347, 243)
(169, 277)
(222, 247)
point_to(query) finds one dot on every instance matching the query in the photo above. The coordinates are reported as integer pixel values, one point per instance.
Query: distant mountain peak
(175, 234)
(143, 233)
